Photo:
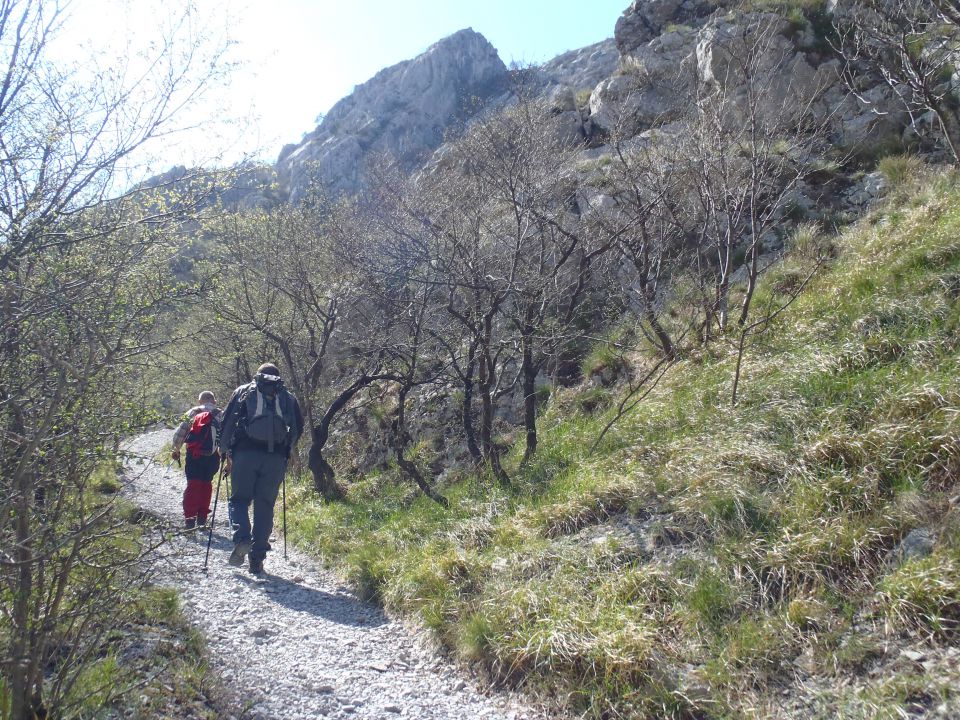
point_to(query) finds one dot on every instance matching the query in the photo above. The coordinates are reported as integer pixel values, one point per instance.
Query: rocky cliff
(404, 111)
(630, 84)
(407, 110)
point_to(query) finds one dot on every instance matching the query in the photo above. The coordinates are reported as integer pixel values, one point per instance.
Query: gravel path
(296, 643)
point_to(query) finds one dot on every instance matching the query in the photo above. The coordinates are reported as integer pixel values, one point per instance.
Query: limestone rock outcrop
(403, 111)
(651, 89)
(583, 68)
(641, 80)
(646, 19)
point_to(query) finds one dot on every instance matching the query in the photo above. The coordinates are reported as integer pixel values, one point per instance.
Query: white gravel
(296, 643)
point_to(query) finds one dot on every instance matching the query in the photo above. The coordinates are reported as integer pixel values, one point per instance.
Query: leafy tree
(83, 272)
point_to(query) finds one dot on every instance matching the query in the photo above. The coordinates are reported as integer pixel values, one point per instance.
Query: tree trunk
(485, 386)
(723, 286)
(23, 696)
(21, 693)
(324, 477)
(529, 372)
(722, 306)
(663, 337)
(486, 382)
(751, 282)
(467, 409)
(399, 442)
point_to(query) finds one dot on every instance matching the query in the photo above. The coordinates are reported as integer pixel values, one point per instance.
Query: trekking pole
(213, 515)
(283, 485)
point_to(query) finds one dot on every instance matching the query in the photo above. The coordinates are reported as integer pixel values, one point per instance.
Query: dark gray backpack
(269, 412)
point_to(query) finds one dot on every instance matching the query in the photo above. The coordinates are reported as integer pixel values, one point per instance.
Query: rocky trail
(296, 643)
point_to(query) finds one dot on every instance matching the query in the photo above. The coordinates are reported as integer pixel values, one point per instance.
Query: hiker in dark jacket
(199, 468)
(261, 426)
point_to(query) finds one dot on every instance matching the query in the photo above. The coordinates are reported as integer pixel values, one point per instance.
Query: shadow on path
(340, 609)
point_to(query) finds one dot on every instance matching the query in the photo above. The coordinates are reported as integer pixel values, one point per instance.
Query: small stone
(380, 667)
(391, 709)
(912, 655)
(298, 578)
(918, 543)
(323, 689)
(459, 685)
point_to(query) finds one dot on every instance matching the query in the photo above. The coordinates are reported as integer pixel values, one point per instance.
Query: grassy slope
(754, 583)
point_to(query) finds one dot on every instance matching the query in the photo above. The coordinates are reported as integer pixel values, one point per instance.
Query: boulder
(724, 42)
(918, 543)
(872, 117)
(561, 99)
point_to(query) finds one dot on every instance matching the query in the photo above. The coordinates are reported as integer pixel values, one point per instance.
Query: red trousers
(196, 499)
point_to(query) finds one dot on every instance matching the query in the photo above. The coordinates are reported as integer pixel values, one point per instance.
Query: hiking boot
(256, 565)
(201, 523)
(190, 523)
(240, 552)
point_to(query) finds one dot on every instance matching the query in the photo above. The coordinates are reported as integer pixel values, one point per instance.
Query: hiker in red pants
(199, 430)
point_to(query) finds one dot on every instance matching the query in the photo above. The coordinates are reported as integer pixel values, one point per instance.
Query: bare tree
(650, 242)
(280, 293)
(752, 138)
(538, 254)
(911, 45)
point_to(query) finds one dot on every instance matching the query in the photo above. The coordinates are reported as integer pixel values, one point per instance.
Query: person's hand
(227, 465)
(176, 454)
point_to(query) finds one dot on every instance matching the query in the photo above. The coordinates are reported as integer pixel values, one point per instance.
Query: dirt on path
(296, 643)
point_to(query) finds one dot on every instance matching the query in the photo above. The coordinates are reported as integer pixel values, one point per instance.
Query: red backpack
(202, 437)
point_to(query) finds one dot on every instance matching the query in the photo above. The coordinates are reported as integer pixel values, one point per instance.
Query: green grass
(167, 676)
(105, 479)
(174, 674)
(899, 169)
(768, 524)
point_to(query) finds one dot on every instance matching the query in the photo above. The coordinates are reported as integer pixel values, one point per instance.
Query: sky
(296, 58)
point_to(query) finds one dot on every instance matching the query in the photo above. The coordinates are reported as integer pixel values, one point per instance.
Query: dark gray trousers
(256, 478)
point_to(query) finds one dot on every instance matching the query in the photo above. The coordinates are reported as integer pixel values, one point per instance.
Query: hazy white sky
(298, 57)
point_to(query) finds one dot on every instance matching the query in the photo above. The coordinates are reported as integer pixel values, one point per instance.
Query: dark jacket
(232, 434)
